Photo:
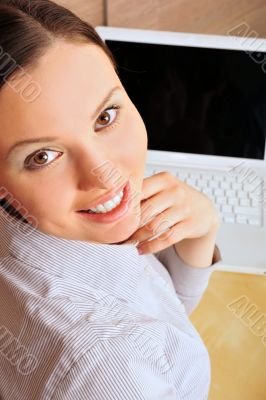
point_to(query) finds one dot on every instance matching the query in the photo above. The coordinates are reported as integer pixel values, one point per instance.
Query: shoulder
(126, 366)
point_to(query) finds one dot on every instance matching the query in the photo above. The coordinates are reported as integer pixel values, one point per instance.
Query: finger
(174, 235)
(163, 221)
(158, 203)
(173, 196)
(156, 183)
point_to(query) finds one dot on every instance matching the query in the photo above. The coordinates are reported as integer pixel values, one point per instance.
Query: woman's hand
(171, 206)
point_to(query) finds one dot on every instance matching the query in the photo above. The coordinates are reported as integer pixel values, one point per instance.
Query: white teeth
(117, 199)
(108, 205)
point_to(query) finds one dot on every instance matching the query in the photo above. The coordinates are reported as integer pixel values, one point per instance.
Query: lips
(115, 214)
(105, 198)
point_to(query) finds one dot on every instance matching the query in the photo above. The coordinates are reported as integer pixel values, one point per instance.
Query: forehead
(73, 79)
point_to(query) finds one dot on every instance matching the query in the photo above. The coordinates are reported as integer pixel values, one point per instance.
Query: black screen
(196, 100)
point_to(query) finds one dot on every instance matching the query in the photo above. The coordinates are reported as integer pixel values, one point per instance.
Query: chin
(123, 232)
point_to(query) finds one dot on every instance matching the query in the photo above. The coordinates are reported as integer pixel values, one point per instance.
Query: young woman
(84, 312)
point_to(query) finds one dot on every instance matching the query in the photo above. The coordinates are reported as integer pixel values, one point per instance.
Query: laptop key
(246, 210)
(255, 202)
(221, 200)
(227, 208)
(182, 176)
(241, 219)
(217, 177)
(229, 218)
(214, 184)
(219, 192)
(231, 179)
(225, 185)
(191, 181)
(245, 202)
(233, 201)
(237, 186)
(241, 194)
(231, 193)
(254, 221)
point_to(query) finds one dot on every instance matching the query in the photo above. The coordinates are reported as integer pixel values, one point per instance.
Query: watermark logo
(17, 354)
(21, 81)
(250, 316)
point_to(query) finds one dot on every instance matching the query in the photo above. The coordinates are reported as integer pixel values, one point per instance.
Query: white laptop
(203, 101)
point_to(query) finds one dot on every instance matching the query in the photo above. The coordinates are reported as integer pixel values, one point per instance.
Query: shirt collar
(115, 268)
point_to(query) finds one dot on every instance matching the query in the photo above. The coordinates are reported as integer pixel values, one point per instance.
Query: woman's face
(88, 153)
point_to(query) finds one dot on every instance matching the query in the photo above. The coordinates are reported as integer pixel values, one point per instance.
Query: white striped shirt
(91, 321)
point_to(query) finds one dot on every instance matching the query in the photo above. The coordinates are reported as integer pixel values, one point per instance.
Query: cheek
(134, 142)
(53, 198)
(41, 196)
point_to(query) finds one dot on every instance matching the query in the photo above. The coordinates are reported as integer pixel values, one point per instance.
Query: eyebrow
(53, 138)
(105, 100)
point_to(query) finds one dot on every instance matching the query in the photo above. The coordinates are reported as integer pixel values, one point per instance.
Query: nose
(98, 171)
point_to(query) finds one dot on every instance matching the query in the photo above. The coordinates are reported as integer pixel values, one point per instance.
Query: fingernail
(134, 242)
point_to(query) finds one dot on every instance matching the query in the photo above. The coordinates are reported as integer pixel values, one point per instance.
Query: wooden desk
(226, 320)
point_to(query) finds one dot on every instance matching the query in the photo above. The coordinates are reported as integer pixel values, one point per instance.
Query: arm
(198, 251)
(190, 282)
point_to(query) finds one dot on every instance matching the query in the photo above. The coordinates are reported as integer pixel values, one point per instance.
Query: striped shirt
(91, 321)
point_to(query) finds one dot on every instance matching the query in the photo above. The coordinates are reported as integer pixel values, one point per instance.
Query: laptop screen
(196, 100)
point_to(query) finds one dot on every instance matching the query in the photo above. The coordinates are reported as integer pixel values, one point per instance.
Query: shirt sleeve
(116, 369)
(189, 282)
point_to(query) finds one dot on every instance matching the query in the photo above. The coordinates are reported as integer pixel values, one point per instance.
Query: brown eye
(41, 159)
(104, 117)
(107, 117)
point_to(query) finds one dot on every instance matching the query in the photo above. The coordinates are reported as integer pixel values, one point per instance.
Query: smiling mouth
(118, 212)
(113, 201)
(106, 207)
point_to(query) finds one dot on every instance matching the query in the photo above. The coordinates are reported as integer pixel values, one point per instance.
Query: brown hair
(27, 29)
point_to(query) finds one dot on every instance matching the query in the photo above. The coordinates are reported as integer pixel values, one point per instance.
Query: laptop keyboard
(237, 200)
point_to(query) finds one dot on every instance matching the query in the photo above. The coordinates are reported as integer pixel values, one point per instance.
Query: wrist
(198, 252)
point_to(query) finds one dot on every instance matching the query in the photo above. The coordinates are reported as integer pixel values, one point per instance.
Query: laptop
(203, 101)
